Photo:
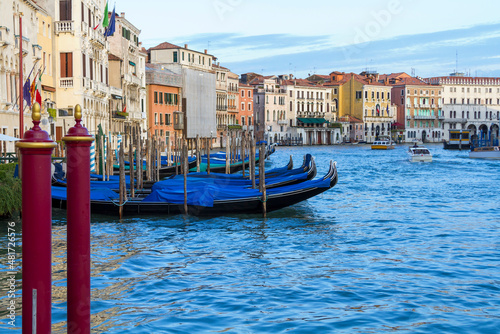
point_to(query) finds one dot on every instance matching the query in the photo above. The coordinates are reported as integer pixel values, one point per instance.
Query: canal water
(394, 247)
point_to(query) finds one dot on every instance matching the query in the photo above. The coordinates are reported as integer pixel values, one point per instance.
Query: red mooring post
(36, 150)
(78, 143)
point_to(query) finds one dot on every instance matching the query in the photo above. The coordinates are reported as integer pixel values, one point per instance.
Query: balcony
(24, 45)
(66, 83)
(232, 109)
(3, 36)
(132, 79)
(85, 29)
(457, 120)
(282, 122)
(64, 27)
(86, 83)
(424, 117)
(37, 52)
(97, 37)
(115, 91)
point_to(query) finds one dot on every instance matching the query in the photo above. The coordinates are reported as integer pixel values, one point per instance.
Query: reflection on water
(395, 246)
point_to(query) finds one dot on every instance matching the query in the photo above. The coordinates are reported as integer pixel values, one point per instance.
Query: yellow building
(45, 40)
(364, 98)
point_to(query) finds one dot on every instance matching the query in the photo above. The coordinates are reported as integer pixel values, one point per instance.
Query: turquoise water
(395, 247)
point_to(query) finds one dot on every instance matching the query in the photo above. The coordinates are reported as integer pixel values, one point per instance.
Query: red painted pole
(78, 143)
(21, 83)
(36, 150)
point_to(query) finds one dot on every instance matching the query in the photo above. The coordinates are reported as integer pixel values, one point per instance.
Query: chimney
(185, 46)
(206, 51)
(122, 14)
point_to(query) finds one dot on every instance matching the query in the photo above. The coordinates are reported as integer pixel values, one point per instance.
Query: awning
(312, 120)
(7, 138)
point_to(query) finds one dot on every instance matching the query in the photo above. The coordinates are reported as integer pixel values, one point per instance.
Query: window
(65, 10)
(268, 115)
(242, 120)
(161, 118)
(242, 105)
(156, 97)
(156, 118)
(242, 93)
(359, 95)
(249, 93)
(67, 65)
(161, 101)
(249, 106)
(175, 56)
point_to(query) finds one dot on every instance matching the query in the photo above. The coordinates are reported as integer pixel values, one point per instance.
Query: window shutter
(70, 64)
(63, 65)
(84, 66)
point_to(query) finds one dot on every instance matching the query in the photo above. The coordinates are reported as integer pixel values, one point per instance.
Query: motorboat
(419, 154)
(383, 145)
(485, 152)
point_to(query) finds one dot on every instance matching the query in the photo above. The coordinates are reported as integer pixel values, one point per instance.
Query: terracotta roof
(299, 82)
(359, 78)
(350, 119)
(221, 67)
(165, 45)
(113, 57)
(411, 81)
(244, 86)
(393, 76)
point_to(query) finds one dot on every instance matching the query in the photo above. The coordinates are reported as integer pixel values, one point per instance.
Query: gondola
(208, 200)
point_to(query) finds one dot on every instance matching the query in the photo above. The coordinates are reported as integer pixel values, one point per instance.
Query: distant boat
(485, 152)
(485, 149)
(459, 139)
(383, 145)
(419, 154)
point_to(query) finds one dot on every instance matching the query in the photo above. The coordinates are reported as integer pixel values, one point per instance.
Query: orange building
(163, 100)
(245, 108)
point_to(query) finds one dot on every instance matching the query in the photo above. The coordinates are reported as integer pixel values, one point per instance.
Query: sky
(424, 37)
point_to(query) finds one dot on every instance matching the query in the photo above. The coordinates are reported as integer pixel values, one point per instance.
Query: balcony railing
(37, 52)
(3, 36)
(64, 27)
(283, 122)
(97, 37)
(133, 79)
(66, 83)
(25, 45)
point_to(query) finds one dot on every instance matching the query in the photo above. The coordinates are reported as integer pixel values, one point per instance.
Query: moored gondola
(211, 200)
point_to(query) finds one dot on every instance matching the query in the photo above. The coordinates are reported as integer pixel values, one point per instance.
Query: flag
(26, 92)
(110, 30)
(105, 20)
(38, 96)
(32, 90)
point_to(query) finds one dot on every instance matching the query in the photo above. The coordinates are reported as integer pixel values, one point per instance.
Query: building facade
(11, 46)
(124, 45)
(471, 103)
(163, 103)
(245, 109)
(82, 64)
(420, 109)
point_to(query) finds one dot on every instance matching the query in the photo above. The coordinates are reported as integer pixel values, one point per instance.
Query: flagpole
(21, 100)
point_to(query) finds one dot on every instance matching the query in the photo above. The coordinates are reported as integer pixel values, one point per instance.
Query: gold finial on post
(36, 115)
(78, 112)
